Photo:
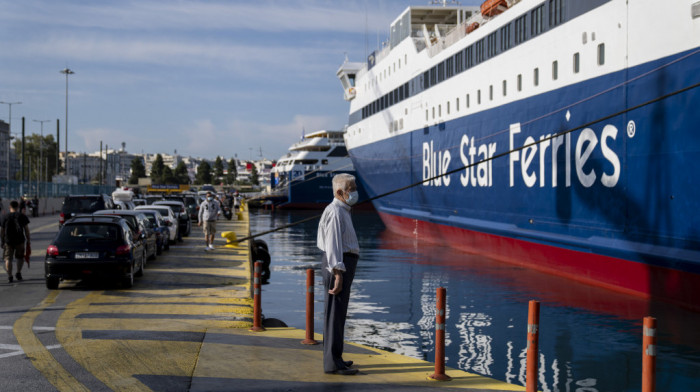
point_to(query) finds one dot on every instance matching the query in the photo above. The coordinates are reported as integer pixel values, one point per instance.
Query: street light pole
(9, 132)
(66, 72)
(41, 150)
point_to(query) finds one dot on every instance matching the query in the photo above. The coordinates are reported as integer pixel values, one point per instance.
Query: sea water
(590, 338)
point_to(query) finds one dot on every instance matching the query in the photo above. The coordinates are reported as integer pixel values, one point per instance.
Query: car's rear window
(83, 204)
(86, 233)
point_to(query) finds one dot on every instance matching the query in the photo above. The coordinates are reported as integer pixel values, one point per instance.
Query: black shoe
(345, 372)
(9, 278)
(19, 276)
(348, 363)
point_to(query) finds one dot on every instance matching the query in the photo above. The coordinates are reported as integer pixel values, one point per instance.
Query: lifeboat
(472, 27)
(492, 8)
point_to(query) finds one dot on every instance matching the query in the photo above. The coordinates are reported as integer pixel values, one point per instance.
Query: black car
(191, 204)
(83, 204)
(180, 211)
(141, 226)
(91, 247)
(161, 228)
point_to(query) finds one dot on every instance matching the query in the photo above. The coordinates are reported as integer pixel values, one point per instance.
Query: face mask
(210, 198)
(352, 198)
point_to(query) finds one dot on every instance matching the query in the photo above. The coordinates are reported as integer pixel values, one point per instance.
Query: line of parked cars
(99, 238)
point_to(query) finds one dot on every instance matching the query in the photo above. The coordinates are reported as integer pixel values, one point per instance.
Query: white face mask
(352, 198)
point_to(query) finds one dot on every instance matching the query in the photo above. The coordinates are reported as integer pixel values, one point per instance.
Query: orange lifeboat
(493, 7)
(472, 27)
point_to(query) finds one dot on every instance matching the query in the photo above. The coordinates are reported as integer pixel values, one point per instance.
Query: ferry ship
(302, 178)
(560, 135)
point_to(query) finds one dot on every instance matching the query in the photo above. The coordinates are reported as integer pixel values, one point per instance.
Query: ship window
(324, 161)
(504, 88)
(555, 70)
(433, 112)
(556, 12)
(536, 76)
(450, 69)
(601, 54)
(405, 59)
(576, 62)
(439, 110)
(478, 97)
(479, 48)
(339, 151)
(405, 90)
(491, 92)
(520, 82)
(433, 76)
(520, 29)
(505, 38)
(469, 57)
(457, 104)
(441, 71)
(459, 66)
(448, 107)
(426, 115)
(537, 21)
(306, 161)
(467, 101)
(426, 80)
(400, 91)
(491, 41)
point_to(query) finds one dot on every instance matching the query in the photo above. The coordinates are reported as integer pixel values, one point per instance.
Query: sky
(203, 78)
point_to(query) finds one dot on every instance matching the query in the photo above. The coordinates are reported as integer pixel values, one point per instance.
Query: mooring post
(533, 333)
(439, 374)
(309, 308)
(257, 291)
(649, 355)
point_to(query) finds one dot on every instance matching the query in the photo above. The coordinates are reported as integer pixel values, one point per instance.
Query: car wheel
(189, 228)
(159, 249)
(52, 283)
(128, 281)
(153, 255)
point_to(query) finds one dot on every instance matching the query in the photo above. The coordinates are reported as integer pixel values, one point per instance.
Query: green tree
(232, 172)
(137, 170)
(168, 176)
(181, 174)
(157, 170)
(218, 169)
(254, 175)
(203, 173)
(35, 148)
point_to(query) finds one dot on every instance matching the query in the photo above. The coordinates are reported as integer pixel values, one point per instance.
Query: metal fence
(14, 189)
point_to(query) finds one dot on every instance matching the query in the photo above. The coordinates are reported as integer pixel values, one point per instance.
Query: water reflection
(590, 338)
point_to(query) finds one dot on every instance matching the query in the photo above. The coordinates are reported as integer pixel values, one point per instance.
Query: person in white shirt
(337, 239)
(208, 212)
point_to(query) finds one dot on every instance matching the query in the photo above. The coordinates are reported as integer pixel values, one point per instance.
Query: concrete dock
(185, 325)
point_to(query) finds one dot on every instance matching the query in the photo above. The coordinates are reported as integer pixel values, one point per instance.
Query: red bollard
(309, 308)
(649, 355)
(439, 374)
(533, 333)
(257, 312)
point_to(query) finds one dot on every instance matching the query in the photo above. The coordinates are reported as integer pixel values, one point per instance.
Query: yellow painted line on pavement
(40, 356)
(42, 228)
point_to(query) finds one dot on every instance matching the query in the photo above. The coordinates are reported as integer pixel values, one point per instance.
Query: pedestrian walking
(209, 210)
(14, 232)
(338, 241)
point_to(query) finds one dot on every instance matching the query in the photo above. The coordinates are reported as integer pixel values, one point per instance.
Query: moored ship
(301, 179)
(557, 134)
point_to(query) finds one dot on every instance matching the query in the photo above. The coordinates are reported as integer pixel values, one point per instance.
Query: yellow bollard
(231, 240)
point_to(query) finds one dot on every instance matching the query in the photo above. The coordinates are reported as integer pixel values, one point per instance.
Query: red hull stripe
(612, 273)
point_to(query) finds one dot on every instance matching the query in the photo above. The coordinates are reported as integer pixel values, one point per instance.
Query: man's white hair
(341, 181)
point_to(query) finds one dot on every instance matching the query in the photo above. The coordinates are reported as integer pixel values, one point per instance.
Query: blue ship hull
(313, 190)
(612, 203)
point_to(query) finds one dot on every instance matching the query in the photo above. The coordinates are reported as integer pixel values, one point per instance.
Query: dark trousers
(336, 310)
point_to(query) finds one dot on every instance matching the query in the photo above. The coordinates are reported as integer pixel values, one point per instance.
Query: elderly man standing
(337, 239)
(208, 212)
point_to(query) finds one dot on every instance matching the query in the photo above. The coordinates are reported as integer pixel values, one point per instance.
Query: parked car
(140, 225)
(94, 246)
(139, 202)
(182, 217)
(191, 203)
(168, 216)
(161, 228)
(83, 204)
(124, 205)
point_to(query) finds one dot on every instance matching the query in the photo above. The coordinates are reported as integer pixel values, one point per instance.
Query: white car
(168, 216)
